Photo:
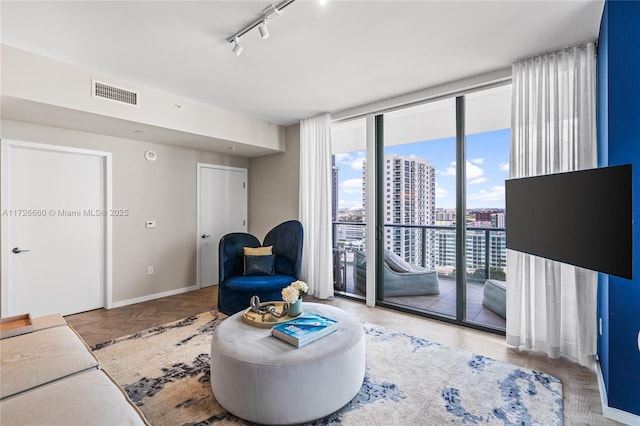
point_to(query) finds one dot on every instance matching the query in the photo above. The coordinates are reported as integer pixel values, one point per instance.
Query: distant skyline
(487, 169)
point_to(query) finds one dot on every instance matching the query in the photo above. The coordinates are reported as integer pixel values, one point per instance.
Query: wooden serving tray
(254, 319)
(13, 326)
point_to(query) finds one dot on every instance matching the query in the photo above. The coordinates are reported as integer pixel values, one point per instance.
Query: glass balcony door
(418, 208)
(488, 134)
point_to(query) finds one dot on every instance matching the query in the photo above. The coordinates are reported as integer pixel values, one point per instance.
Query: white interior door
(54, 229)
(222, 209)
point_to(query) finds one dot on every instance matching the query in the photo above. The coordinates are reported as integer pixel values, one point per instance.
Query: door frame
(5, 150)
(199, 167)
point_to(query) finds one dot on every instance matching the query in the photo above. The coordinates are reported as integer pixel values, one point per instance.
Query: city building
(497, 220)
(409, 187)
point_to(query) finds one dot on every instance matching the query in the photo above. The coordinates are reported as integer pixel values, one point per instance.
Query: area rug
(408, 381)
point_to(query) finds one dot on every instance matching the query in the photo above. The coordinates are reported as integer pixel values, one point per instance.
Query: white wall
(273, 186)
(164, 191)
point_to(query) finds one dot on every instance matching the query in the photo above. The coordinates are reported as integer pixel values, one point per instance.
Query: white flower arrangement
(295, 291)
(301, 286)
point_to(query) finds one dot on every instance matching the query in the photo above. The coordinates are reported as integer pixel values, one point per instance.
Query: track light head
(237, 48)
(264, 31)
(271, 12)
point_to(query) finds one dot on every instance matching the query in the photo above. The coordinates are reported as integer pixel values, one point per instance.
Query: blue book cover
(304, 329)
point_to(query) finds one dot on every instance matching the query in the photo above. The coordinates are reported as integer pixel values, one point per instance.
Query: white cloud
(473, 170)
(477, 180)
(352, 186)
(441, 192)
(357, 163)
(495, 194)
(449, 171)
(350, 159)
(504, 166)
(477, 160)
(349, 204)
(344, 158)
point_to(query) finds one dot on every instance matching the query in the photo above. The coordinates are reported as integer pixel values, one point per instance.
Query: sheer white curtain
(315, 204)
(551, 307)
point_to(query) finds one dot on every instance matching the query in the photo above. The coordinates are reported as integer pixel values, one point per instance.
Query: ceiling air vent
(116, 94)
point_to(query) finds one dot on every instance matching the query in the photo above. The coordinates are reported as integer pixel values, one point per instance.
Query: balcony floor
(443, 303)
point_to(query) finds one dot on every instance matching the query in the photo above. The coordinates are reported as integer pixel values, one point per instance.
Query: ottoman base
(262, 379)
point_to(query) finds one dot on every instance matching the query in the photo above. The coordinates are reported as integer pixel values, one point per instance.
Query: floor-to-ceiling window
(418, 197)
(488, 133)
(440, 172)
(348, 206)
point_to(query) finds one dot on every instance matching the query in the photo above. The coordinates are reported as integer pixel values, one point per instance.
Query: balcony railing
(492, 263)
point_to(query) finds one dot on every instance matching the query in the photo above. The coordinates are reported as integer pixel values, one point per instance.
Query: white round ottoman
(262, 379)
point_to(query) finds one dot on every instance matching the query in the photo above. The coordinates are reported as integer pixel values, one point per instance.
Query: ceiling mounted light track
(269, 13)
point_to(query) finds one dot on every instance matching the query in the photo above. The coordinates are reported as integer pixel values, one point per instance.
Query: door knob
(205, 235)
(18, 250)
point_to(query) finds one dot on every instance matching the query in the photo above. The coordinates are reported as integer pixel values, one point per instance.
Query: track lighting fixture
(264, 31)
(269, 13)
(237, 49)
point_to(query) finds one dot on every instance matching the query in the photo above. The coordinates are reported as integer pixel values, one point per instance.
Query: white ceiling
(318, 58)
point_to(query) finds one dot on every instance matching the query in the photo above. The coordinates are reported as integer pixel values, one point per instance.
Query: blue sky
(487, 169)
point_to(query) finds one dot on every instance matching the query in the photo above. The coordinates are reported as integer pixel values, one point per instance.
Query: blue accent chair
(235, 289)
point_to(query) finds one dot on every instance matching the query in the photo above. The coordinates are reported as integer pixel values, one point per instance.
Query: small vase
(295, 309)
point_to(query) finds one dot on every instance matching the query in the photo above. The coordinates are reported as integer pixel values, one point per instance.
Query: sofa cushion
(238, 291)
(396, 263)
(88, 398)
(37, 358)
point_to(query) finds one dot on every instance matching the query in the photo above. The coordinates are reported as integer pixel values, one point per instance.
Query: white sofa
(50, 376)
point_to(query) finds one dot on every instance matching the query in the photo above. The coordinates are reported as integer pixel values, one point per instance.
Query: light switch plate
(150, 224)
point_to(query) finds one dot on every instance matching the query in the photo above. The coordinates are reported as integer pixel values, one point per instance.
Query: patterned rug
(409, 381)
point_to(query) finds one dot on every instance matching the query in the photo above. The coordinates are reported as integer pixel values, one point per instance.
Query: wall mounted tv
(583, 218)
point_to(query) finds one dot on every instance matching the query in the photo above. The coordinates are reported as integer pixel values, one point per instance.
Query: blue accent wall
(602, 118)
(619, 143)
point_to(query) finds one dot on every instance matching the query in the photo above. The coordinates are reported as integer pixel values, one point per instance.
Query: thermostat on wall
(151, 156)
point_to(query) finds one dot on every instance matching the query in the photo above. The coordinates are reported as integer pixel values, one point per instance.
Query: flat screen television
(582, 218)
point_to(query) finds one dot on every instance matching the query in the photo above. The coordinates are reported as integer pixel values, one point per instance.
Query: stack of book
(304, 329)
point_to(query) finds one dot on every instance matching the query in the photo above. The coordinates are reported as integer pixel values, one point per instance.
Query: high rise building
(334, 192)
(497, 220)
(409, 188)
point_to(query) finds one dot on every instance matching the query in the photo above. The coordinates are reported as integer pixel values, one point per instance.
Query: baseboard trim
(154, 296)
(611, 412)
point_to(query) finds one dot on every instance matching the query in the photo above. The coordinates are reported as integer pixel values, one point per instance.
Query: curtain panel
(551, 307)
(315, 204)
